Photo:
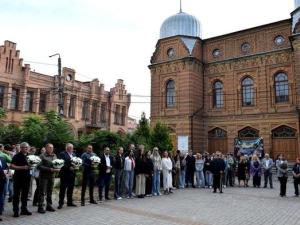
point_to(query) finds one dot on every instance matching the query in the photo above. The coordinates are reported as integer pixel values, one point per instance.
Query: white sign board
(183, 144)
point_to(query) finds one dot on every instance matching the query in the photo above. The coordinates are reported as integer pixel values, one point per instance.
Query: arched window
(247, 92)
(217, 133)
(248, 133)
(218, 94)
(281, 88)
(284, 132)
(170, 89)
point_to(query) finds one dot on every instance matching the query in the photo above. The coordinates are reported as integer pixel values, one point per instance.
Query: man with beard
(217, 167)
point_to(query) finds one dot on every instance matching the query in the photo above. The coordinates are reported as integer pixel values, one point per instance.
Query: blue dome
(180, 24)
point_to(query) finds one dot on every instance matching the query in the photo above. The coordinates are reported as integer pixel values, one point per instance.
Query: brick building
(244, 84)
(87, 106)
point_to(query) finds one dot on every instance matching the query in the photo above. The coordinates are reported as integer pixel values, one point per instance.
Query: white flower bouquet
(95, 160)
(76, 162)
(33, 161)
(58, 163)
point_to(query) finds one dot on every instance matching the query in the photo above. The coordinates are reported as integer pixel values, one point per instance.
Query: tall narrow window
(247, 92)
(117, 115)
(170, 89)
(14, 105)
(281, 88)
(218, 98)
(123, 115)
(94, 113)
(72, 107)
(29, 101)
(2, 96)
(42, 105)
(85, 110)
(103, 113)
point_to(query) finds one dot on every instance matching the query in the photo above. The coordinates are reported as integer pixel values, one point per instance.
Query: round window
(216, 53)
(246, 47)
(171, 53)
(279, 40)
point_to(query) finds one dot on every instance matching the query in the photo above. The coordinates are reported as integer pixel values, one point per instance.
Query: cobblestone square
(237, 206)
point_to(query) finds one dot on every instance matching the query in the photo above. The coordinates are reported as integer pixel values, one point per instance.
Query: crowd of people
(136, 173)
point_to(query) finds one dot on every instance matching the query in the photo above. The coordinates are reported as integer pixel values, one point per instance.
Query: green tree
(2, 114)
(104, 139)
(160, 137)
(58, 131)
(143, 133)
(34, 131)
(10, 134)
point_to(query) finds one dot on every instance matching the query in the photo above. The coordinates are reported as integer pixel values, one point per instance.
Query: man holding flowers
(46, 179)
(67, 177)
(88, 176)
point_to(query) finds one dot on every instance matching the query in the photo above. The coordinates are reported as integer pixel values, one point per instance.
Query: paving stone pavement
(237, 206)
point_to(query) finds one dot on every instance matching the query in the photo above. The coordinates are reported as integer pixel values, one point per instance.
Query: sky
(115, 39)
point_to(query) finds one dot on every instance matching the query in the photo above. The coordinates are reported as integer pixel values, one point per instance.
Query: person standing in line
(190, 169)
(217, 167)
(182, 170)
(149, 174)
(157, 167)
(177, 169)
(46, 179)
(129, 166)
(21, 180)
(3, 172)
(282, 173)
(118, 166)
(208, 171)
(67, 177)
(140, 173)
(242, 170)
(256, 171)
(88, 175)
(199, 165)
(296, 176)
(230, 170)
(167, 173)
(267, 165)
(7, 160)
(105, 174)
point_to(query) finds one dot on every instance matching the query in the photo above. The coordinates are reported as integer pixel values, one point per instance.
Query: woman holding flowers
(46, 179)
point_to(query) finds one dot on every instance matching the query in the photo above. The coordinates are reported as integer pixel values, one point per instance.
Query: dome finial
(180, 11)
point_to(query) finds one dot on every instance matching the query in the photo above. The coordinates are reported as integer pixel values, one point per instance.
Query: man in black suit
(67, 177)
(218, 167)
(190, 169)
(105, 171)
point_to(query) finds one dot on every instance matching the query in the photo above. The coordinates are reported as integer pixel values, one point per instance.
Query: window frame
(281, 86)
(247, 92)
(218, 95)
(170, 94)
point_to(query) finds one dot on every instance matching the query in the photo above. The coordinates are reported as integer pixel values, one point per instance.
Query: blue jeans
(182, 179)
(208, 178)
(129, 175)
(200, 178)
(156, 182)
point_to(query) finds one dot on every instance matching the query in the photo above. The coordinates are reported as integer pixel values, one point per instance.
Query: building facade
(87, 106)
(244, 85)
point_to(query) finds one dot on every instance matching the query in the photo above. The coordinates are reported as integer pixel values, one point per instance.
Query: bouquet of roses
(95, 160)
(76, 162)
(58, 163)
(33, 161)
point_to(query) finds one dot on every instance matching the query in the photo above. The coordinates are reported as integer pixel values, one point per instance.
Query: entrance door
(217, 141)
(284, 141)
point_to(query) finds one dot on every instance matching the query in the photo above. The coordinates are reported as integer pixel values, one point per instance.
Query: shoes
(265, 186)
(82, 204)
(119, 198)
(214, 191)
(221, 192)
(0, 219)
(41, 210)
(59, 206)
(10, 199)
(166, 192)
(50, 209)
(107, 198)
(170, 191)
(16, 214)
(26, 213)
(34, 204)
(93, 202)
(100, 200)
(72, 205)
(128, 197)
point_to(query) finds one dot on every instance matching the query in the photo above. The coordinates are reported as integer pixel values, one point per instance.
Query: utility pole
(60, 87)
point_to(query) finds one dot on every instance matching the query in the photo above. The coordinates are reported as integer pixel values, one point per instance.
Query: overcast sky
(115, 38)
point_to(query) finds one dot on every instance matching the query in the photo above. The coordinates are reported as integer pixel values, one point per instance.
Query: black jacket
(66, 169)
(119, 162)
(217, 165)
(190, 163)
(103, 166)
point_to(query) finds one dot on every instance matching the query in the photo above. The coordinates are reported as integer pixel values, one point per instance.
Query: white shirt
(107, 159)
(267, 163)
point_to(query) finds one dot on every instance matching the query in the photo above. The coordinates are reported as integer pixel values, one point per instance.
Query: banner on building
(183, 144)
(249, 147)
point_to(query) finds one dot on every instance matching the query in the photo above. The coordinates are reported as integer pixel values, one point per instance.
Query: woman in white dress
(167, 173)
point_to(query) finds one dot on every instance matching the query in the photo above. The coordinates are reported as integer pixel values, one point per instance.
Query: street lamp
(60, 86)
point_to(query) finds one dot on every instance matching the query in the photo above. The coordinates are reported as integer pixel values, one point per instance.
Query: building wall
(262, 61)
(100, 104)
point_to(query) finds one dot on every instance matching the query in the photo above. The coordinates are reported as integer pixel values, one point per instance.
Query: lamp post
(60, 87)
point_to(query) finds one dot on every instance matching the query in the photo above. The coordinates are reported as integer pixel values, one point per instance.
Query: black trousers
(118, 182)
(189, 177)
(283, 181)
(230, 177)
(296, 185)
(217, 182)
(148, 185)
(36, 192)
(88, 178)
(21, 188)
(45, 189)
(66, 184)
(104, 182)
